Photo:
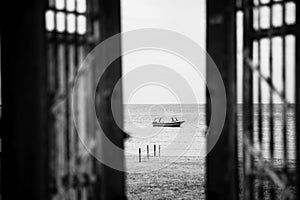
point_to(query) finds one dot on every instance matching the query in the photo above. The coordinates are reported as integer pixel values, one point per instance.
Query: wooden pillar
(24, 101)
(112, 180)
(148, 152)
(222, 179)
(140, 156)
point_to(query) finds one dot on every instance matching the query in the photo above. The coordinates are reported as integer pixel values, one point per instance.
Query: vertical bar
(260, 135)
(67, 91)
(284, 111)
(25, 169)
(248, 102)
(154, 150)
(140, 154)
(51, 77)
(90, 15)
(271, 107)
(159, 150)
(148, 152)
(297, 95)
(222, 183)
(55, 47)
(260, 118)
(112, 181)
(76, 140)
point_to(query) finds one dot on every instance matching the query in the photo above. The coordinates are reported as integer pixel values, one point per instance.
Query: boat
(158, 122)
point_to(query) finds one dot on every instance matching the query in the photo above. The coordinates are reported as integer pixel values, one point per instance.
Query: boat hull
(168, 124)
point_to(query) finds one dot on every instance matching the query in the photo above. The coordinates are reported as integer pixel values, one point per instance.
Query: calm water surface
(189, 139)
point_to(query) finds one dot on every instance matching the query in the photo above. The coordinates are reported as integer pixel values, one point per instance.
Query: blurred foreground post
(297, 88)
(24, 168)
(112, 180)
(222, 182)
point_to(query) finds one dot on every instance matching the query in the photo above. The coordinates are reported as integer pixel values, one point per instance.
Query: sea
(190, 138)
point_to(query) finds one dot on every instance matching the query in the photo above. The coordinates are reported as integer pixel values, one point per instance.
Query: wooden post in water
(140, 155)
(154, 150)
(159, 150)
(148, 152)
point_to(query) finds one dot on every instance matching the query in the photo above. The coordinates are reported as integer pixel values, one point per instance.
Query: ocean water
(189, 139)
(277, 130)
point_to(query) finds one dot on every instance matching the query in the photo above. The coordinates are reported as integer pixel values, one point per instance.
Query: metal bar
(271, 120)
(297, 96)
(269, 34)
(284, 111)
(53, 118)
(248, 103)
(71, 39)
(260, 135)
(76, 139)
(259, 118)
(67, 101)
(50, 64)
(276, 31)
(271, 111)
(270, 3)
(25, 166)
(222, 183)
(253, 68)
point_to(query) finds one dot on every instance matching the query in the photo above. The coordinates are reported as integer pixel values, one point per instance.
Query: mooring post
(148, 152)
(140, 155)
(154, 150)
(159, 150)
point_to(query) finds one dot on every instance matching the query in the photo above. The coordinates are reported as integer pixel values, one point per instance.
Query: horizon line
(199, 103)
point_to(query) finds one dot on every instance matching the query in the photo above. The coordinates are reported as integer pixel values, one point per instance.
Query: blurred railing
(44, 46)
(269, 90)
(255, 44)
(73, 30)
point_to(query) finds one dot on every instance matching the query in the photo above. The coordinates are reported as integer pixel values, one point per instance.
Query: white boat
(158, 122)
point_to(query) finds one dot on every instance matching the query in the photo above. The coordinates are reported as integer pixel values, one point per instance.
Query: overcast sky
(184, 17)
(189, 18)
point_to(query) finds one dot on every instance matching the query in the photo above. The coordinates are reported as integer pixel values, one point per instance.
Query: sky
(184, 17)
(189, 18)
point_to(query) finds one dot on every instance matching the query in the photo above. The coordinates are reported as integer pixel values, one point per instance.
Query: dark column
(24, 131)
(248, 191)
(297, 92)
(112, 181)
(222, 182)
